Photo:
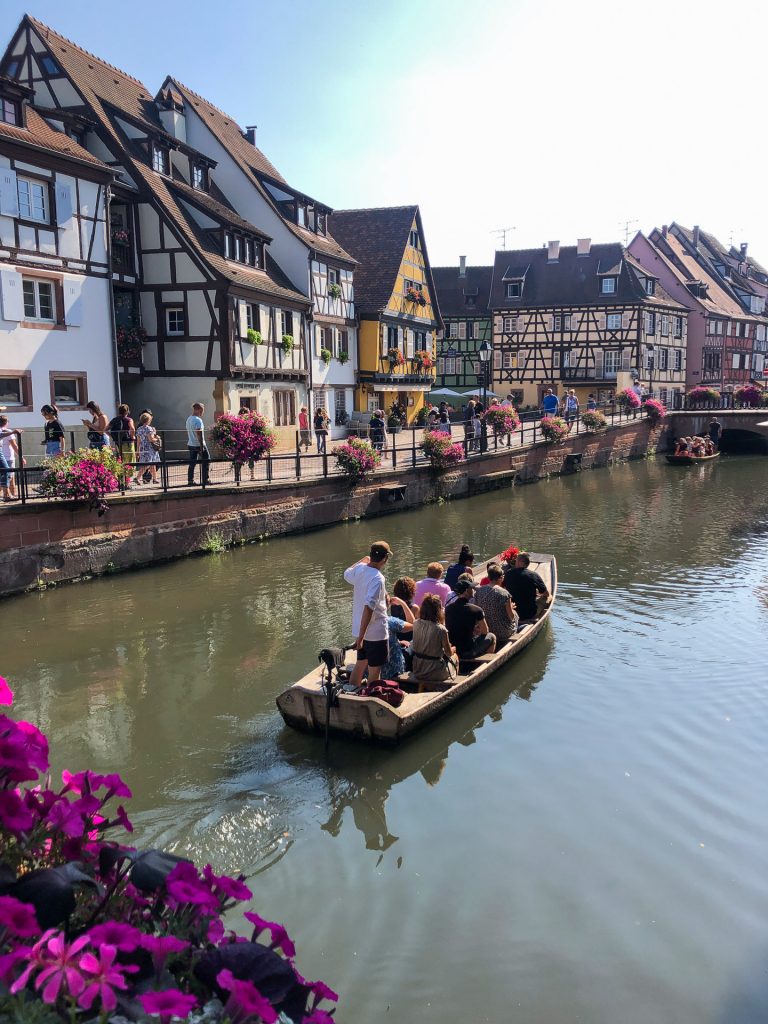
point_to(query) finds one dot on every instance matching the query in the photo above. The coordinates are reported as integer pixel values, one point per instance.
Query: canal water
(584, 840)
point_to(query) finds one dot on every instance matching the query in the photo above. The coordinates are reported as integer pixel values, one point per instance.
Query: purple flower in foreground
(14, 816)
(82, 782)
(280, 938)
(167, 1004)
(8, 962)
(160, 947)
(59, 967)
(103, 976)
(6, 693)
(123, 937)
(185, 886)
(245, 1000)
(18, 918)
(318, 1017)
(223, 885)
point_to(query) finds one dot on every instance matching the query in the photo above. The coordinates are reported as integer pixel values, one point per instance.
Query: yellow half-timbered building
(397, 306)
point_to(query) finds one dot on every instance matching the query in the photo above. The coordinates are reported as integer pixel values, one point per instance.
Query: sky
(552, 119)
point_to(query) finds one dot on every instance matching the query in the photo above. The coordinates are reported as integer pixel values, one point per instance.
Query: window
(566, 321)
(320, 223)
(33, 200)
(678, 328)
(450, 365)
(301, 216)
(342, 342)
(69, 389)
(333, 275)
(249, 252)
(557, 323)
(160, 158)
(650, 286)
(613, 321)
(252, 319)
(510, 324)
(9, 111)
(711, 361)
(471, 330)
(716, 326)
(286, 324)
(664, 325)
(413, 239)
(49, 65)
(199, 177)
(736, 361)
(340, 406)
(470, 300)
(608, 285)
(238, 249)
(663, 358)
(285, 408)
(408, 284)
(227, 245)
(453, 329)
(611, 362)
(16, 390)
(677, 363)
(513, 290)
(38, 299)
(174, 320)
(742, 330)
(650, 323)
(13, 69)
(508, 361)
(392, 337)
(462, 331)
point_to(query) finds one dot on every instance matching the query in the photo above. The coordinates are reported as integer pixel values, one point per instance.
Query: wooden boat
(305, 706)
(690, 460)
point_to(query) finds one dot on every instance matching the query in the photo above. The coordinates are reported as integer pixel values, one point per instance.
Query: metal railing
(401, 449)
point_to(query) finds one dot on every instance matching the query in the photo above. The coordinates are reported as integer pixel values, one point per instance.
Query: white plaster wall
(88, 349)
(187, 271)
(149, 225)
(170, 399)
(199, 315)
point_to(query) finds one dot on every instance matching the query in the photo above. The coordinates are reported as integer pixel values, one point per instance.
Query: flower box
(325, 355)
(253, 337)
(654, 409)
(287, 343)
(334, 290)
(554, 429)
(593, 420)
(749, 395)
(243, 438)
(395, 357)
(502, 419)
(356, 458)
(343, 357)
(703, 396)
(627, 399)
(441, 451)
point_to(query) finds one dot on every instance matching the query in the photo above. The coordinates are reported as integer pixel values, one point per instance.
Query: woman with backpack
(122, 430)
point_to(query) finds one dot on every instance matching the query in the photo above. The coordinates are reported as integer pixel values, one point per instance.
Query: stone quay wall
(46, 542)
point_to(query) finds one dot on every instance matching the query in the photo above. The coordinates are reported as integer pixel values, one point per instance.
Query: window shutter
(462, 331)
(626, 359)
(521, 359)
(625, 319)
(13, 302)
(598, 363)
(73, 303)
(410, 343)
(63, 205)
(384, 344)
(496, 359)
(401, 339)
(9, 196)
(429, 341)
(497, 324)
(601, 321)
(242, 312)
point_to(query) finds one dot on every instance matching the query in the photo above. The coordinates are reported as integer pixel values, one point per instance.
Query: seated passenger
(527, 589)
(432, 584)
(709, 447)
(404, 588)
(681, 446)
(395, 664)
(464, 562)
(697, 447)
(434, 657)
(466, 623)
(497, 605)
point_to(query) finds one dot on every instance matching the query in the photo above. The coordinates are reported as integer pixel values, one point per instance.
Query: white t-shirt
(6, 436)
(369, 592)
(194, 423)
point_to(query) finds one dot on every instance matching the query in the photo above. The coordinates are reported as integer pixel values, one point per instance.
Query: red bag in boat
(386, 690)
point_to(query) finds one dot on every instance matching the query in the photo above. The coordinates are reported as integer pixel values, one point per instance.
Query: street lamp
(651, 352)
(484, 352)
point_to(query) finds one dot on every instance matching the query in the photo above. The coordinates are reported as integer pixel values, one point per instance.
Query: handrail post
(413, 449)
(269, 468)
(21, 473)
(394, 450)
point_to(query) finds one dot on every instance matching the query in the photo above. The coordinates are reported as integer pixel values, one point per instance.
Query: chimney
(583, 246)
(250, 133)
(743, 250)
(696, 236)
(664, 230)
(553, 251)
(462, 266)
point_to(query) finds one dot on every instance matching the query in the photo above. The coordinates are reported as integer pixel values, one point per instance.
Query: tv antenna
(734, 231)
(627, 226)
(503, 232)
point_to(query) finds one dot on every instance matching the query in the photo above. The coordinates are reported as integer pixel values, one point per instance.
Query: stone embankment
(43, 543)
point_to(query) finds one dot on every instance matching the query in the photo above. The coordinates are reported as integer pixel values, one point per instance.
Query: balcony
(122, 258)
(585, 374)
(401, 371)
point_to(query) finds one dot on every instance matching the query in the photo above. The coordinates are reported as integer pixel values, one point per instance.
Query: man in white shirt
(369, 612)
(196, 445)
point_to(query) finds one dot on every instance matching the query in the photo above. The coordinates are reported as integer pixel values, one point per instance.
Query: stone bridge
(742, 428)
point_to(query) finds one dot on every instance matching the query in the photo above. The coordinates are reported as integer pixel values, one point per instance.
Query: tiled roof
(687, 269)
(102, 85)
(253, 162)
(573, 280)
(39, 133)
(219, 209)
(452, 290)
(377, 239)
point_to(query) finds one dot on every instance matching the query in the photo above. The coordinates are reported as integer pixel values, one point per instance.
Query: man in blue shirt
(196, 445)
(550, 403)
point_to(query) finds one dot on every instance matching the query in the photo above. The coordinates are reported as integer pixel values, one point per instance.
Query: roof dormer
(13, 102)
(514, 281)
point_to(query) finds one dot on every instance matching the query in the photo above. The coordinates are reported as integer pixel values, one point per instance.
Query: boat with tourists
(323, 701)
(690, 460)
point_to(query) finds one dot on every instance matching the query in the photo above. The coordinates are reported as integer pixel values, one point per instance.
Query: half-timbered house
(301, 243)
(463, 293)
(396, 303)
(586, 317)
(190, 275)
(722, 334)
(58, 339)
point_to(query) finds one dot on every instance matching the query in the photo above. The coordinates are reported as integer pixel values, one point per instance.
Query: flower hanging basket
(243, 438)
(594, 420)
(356, 458)
(654, 409)
(325, 355)
(627, 399)
(749, 395)
(343, 357)
(254, 337)
(334, 290)
(554, 429)
(441, 451)
(395, 357)
(701, 396)
(502, 419)
(85, 475)
(287, 343)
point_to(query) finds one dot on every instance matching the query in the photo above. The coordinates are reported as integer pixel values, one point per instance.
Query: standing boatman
(715, 432)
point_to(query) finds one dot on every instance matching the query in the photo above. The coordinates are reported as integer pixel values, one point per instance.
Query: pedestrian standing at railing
(96, 426)
(54, 432)
(550, 403)
(305, 439)
(122, 430)
(9, 449)
(196, 445)
(591, 403)
(320, 423)
(570, 407)
(444, 416)
(149, 447)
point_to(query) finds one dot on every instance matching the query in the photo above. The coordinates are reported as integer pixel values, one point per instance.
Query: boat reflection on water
(360, 778)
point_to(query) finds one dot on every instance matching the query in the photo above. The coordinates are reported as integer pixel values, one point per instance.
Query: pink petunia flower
(82, 782)
(160, 947)
(14, 815)
(18, 918)
(167, 1004)
(124, 937)
(318, 1017)
(103, 976)
(223, 885)
(6, 693)
(59, 967)
(280, 937)
(244, 1000)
